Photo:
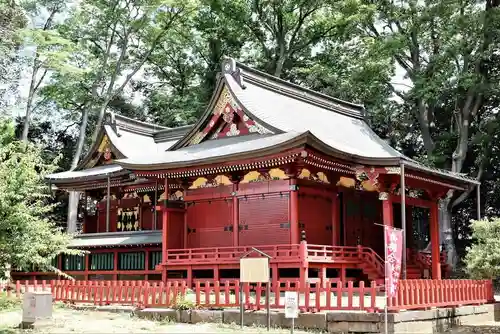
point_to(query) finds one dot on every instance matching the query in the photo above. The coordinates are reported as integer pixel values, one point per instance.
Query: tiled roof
(116, 239)
(211, 149)
(111, 169)
(295, 115)
(340, 131)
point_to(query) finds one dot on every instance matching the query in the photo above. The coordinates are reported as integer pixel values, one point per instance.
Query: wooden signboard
(254, 270)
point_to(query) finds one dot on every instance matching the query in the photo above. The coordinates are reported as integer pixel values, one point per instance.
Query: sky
(399, 81)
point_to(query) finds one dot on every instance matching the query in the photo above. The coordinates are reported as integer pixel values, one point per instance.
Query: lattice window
(154, 259)
(73, 263)
(101, 261)
(131, 261)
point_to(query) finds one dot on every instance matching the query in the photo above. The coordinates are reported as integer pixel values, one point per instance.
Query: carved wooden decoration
(104, 154)
(346, 182)
(128, 219)
(368, 178)
(228, 119)
(264, 175)
(319, 177)
(176, 196)
(211, 182)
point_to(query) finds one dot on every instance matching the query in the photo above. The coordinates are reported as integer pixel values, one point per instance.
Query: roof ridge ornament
(229, 67)
(111, 120)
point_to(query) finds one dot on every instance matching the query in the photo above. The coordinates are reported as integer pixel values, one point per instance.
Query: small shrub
(181, 303)
(8, 303)
(483, 257)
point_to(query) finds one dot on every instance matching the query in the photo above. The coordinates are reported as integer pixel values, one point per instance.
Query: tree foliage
(29, 235)
(483, 256)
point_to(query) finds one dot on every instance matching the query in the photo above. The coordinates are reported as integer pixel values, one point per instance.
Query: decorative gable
(227, 119)
(103, 155)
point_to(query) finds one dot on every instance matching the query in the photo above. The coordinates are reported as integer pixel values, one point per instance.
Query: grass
(8, 303)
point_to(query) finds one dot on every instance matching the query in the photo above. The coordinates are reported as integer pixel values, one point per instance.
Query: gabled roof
(250, 114)
(282, 110)
(289, 115)
(127, 138)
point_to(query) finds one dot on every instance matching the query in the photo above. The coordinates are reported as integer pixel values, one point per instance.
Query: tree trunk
(74, 196)
(100, 118)
(445, 232)
(29, 103)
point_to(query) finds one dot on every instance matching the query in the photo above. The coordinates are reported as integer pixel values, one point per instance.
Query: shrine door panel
(175, 230)
(208, 224)
(264, 221)
(90, 224)
(371, 214)
(113, 217)
(352, 219)
(315, 218)
(147, 222)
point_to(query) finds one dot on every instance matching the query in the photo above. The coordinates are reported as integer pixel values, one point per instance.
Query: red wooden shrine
(295, 173)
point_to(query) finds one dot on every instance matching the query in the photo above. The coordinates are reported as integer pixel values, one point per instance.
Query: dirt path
(72, 321)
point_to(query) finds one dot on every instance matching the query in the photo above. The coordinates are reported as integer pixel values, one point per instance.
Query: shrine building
(295, 173)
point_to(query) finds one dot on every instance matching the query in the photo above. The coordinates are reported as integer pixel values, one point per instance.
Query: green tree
(443, 50)
(50, 52)
(28, 234)
(12, 22)
(483, 256)
(285, 32)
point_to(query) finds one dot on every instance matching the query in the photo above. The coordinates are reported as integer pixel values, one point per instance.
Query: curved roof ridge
(172, 133)
(297, 91)
(118, 121)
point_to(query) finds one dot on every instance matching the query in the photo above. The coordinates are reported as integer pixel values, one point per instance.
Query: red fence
(416, 294)
(412, 294)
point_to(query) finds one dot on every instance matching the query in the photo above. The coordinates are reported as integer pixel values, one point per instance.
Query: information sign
(291, 304)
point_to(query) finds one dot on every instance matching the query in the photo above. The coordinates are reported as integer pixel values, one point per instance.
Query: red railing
(373, 259)
(312, 298)
(424, 260)
(324, 253)
(424, 293)
(346, 254)
(278, 253)
(229, 255)
(411, 294)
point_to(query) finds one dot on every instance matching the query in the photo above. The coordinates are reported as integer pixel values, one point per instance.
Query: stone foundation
(430, 321)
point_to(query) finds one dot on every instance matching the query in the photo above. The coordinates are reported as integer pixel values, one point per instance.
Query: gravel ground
(72, 321)
(66, 320)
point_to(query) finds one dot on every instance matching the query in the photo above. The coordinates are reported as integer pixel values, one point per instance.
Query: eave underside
(117, 239)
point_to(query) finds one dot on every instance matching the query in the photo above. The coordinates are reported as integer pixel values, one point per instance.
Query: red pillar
(185, 228)
(164, 245)
(387, 212)
(115, 265)
(275, 275)
(304, 265)
(146, 259)
(409, 227)
(335, 220)
(236, 215)
(190, 277)
(293, 214)
(434, 232)
(322, 276)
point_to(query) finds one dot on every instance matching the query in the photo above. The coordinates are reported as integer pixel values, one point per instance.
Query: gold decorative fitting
(413, 193)
(393, 170)
(383, 196)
